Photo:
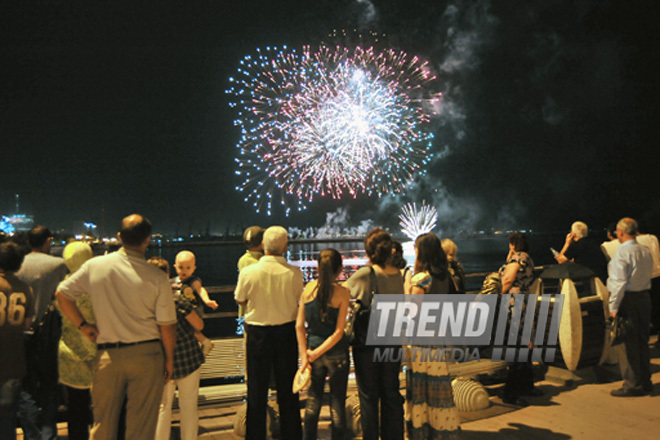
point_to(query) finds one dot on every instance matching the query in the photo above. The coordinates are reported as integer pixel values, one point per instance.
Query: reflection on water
(216, 264)
(306, 260)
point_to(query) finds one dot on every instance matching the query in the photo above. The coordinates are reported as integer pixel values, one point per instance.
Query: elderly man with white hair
(629, 282)
(269, 291)
(581, 249)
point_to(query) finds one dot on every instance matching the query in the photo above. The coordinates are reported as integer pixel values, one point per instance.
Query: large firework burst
(329, 121)
(415, 222)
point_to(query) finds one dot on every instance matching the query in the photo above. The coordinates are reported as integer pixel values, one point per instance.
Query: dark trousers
(9, 390)
(335, 366)
(519, 380)
(79, 413)
(272, 347)
(378, 383)
(634, 354)
(655, 304)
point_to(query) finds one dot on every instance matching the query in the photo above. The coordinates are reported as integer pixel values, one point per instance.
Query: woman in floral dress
(517, 277)
(430, 409)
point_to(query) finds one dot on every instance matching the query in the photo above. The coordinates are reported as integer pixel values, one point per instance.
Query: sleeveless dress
(524, 276)
(430, 409)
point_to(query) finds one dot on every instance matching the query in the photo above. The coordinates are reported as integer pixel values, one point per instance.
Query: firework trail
(332, 120)
(415, 222)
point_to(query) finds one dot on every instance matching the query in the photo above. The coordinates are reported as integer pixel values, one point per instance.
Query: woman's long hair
(430, 256)
(330, 263)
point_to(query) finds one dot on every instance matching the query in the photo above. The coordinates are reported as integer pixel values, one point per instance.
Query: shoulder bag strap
(373, 284)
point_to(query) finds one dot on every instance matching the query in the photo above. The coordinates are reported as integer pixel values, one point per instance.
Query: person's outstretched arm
(201, 291)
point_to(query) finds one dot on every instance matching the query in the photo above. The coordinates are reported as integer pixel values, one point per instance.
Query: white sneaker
(207, 346)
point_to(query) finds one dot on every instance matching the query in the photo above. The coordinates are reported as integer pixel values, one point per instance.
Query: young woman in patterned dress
(431, 413)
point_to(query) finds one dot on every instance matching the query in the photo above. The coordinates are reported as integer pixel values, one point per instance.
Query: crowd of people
(130, 335)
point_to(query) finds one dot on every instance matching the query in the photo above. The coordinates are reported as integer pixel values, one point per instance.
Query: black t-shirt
(185, 288)
(588, 253)
(16, 304)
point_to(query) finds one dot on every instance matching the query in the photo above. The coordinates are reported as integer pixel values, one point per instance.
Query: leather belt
(107, 345)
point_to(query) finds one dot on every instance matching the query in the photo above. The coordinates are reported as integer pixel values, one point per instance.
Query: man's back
(43, 273)
(651, 242)
(15, 298)
(130, 297)
(248, 258)
(629, 270)
(271, 288)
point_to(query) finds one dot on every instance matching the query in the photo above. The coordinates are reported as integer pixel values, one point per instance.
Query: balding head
(626, 229)
(135, 231)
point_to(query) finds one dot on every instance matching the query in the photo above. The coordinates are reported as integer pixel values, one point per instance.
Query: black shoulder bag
(619, 329)
(357, 320)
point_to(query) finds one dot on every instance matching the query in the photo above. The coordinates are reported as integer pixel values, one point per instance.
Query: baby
(191, 287)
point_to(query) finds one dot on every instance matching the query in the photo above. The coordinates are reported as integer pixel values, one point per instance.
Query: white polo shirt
(651, 242)
(272, 288)
(130, 297)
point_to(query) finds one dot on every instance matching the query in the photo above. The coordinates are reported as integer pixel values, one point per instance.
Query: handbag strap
(373, 286)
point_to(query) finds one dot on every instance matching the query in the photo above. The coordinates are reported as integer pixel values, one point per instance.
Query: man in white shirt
(269, 291)
(629, 282)
(651, 242)
(135, 332)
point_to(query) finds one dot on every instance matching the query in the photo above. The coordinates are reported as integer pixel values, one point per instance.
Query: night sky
(549, 112)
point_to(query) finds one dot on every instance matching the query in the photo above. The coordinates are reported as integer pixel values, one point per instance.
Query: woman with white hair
(582, 249)
(455, 267)
(76, 352)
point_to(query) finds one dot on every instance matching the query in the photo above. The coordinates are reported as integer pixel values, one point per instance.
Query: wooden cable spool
(582, 330)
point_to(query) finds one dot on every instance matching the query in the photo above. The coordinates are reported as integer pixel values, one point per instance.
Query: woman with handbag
(322, 345)
(517, 276)
(431, 412)
(378, 382)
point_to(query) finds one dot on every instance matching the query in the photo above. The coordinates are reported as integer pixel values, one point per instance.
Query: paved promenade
(579, 408)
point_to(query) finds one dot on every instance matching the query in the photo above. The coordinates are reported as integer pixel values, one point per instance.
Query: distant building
(16, 223)
(22, 222)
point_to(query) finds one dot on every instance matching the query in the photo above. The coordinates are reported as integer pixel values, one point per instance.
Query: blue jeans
(335, 366)
(39, 425)
(9, 390)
